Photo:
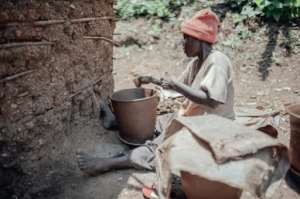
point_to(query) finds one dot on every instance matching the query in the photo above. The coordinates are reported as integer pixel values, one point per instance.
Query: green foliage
(279, 9)
(276, 9)
(241, 32)
(239, 4)
(160, 8)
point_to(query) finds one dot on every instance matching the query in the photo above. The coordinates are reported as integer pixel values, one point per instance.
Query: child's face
(191, 46)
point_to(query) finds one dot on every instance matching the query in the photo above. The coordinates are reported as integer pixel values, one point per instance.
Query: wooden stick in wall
(103, 38)
(58, 21)
(13, 77)
(22, 44)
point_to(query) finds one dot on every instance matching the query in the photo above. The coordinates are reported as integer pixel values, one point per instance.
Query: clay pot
(135, 111)
(294, 112)
(196, 187)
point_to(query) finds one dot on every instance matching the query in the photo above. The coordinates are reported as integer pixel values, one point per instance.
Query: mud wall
(51, 72)
(52, 75)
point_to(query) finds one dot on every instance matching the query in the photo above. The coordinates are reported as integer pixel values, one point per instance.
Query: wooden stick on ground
(22, 44)
(103, 38)
(12, 77)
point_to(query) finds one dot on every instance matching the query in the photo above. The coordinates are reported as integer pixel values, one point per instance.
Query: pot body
(135, 111)
(294, 112)
(196, 187)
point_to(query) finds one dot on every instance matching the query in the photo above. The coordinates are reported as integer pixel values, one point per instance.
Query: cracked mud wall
(50, 74)
(64, 73)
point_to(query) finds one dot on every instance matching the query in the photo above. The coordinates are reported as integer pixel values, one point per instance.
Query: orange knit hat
(203, 26)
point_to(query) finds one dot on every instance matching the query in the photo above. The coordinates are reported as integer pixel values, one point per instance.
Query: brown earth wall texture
(65, 78)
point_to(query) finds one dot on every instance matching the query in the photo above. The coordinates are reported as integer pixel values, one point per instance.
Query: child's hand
(168, 83)
(142, 80)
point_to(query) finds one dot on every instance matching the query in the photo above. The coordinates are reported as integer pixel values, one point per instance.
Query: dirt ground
(265, 63)
(266, 76)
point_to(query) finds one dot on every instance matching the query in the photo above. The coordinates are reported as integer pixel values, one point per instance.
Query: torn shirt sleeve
(215, 82)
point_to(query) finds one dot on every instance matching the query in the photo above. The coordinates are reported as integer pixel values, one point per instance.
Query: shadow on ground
(293, 181)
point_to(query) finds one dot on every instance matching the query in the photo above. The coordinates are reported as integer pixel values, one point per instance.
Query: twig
(83, 89)
(12, 77)
(103, 38)
(69, 120)
(80, 20)
(49, 22)
(22, 44)
(262, 114)
(59, 21)
(96, 105)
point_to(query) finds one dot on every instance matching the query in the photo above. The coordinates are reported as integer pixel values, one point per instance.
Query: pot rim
(155, 95)
(291, 113)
